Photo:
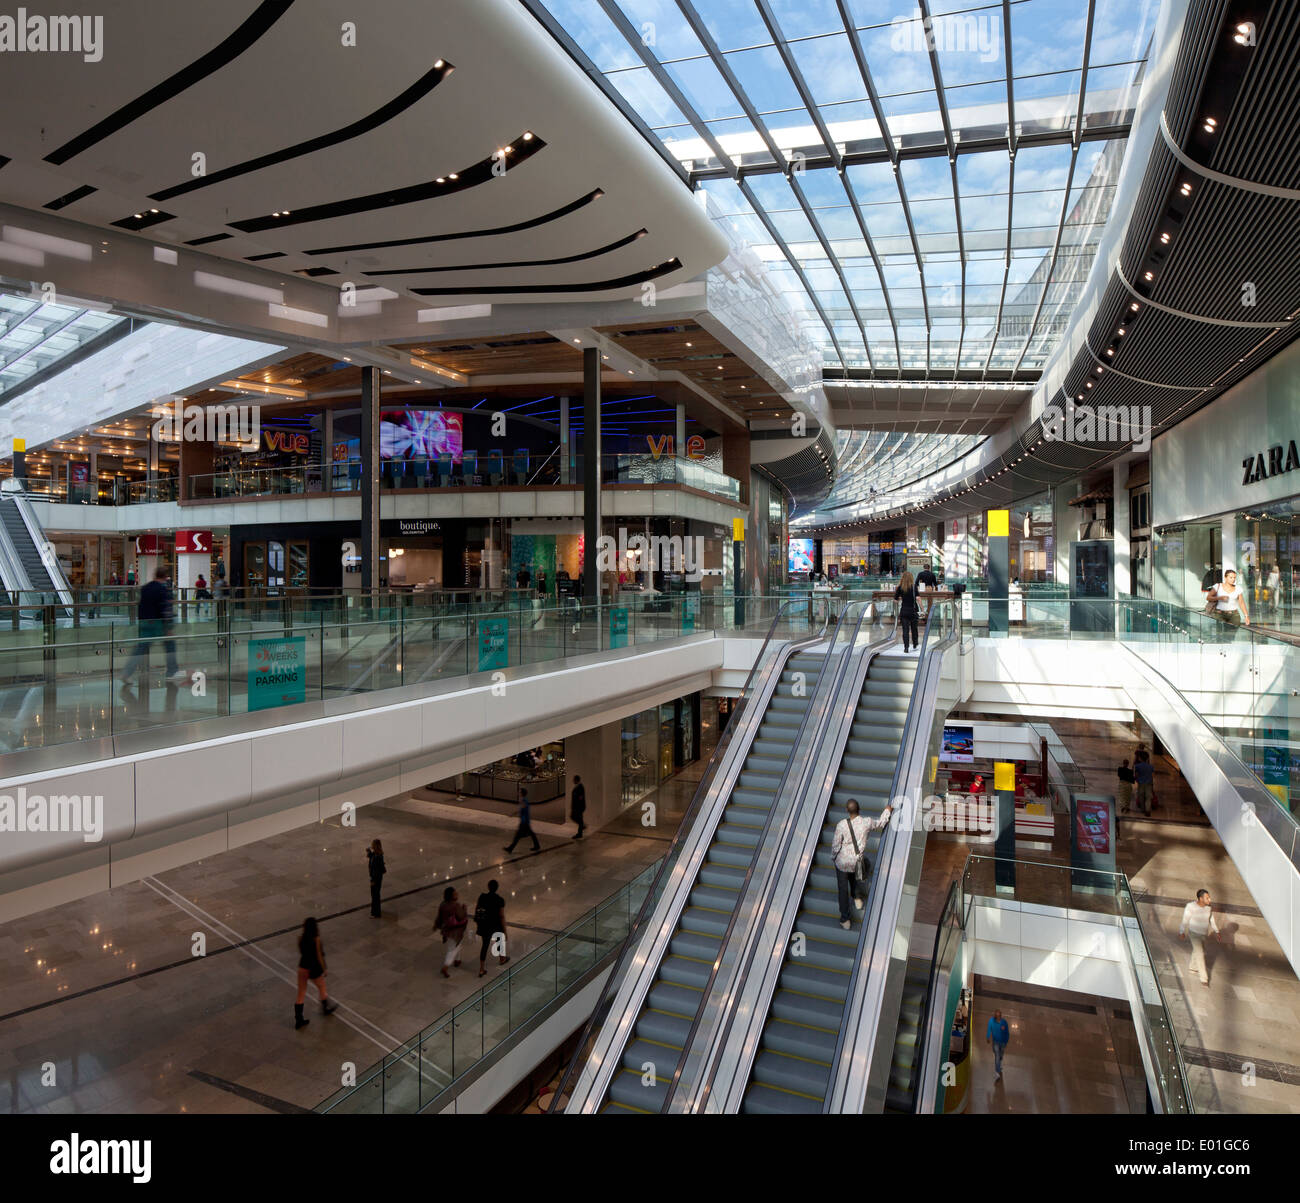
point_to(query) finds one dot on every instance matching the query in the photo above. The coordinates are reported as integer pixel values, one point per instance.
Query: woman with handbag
(849, 852)
(452, 921)
(1230, 601)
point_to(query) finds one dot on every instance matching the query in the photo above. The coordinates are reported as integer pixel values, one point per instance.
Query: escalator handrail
(12, 573)
(720, 751)
(777, 875)
(927, 1003)
(828, 686)
(889, 838)
(49, 561)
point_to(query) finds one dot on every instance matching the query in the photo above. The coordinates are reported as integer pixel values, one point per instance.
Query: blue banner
(618, 626)
(493, 644)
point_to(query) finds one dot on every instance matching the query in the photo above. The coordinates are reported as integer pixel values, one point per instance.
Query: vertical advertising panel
(277, 672)
(493, 644)
(618, 626)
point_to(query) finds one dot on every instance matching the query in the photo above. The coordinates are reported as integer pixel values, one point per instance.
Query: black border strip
(142, 221)
(644, 277)
(71, 198)
(266, 14)
(478, 267)
(479, 173)
(381, 116)
(267, 255)
(209, 238)
(532, 224)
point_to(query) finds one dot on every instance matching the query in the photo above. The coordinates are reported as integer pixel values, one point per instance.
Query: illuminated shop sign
(1264, 465)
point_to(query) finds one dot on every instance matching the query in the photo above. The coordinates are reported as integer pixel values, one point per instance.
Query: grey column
(564, 441)
(369, 478)
(591, 465)
(679, 439)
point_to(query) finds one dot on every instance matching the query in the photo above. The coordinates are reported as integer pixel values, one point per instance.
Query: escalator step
(713, 898)
(802, 1008)
(693, 944)
(764, 1100)
(800, 1040)
(661, 1028)
(675, 1000)
(682, 971)
(817, 983)
(628, 1088)
(792, 1073)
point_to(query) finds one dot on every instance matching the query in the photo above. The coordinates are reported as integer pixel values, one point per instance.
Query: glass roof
(931, 179)
(35, 336)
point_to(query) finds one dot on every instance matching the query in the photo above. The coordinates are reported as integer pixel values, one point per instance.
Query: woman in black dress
(490, 919)
(907, 612)
(311, 967)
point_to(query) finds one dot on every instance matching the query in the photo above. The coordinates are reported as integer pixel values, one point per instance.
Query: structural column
(999, 531)
(1120, 533)
(565, 449)
(591, 464)
(679, 434)
(370, 473)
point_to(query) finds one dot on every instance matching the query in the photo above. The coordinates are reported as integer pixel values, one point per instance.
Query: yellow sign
(20, 444)
(934, 767)
(1004, 775)
(738, 530)
(999, 524)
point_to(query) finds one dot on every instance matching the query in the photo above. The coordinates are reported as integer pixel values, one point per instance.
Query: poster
(1092, 826)
(958, 744)
(618, 626)
(493, 643)
(801, 555)
(277, 672)
(690, 611)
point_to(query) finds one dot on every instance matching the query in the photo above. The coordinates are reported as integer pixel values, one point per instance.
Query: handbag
(863, 867)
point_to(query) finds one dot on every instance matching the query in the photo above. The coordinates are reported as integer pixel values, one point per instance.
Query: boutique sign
(1276, 461)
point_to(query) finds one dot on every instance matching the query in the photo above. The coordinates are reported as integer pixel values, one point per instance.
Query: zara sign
(1276, 462)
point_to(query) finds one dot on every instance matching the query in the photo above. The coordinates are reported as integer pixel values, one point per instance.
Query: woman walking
(311, 967)
(490, 920)
(905, 594)
(375, 856)
(1229, 601)
(452, 921)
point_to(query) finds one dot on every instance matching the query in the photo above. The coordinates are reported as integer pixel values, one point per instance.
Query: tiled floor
(109, 990)
(1240, 1036)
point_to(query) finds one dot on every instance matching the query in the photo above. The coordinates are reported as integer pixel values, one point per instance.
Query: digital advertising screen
(1092, 826)
(801, 555)
(958, 744)
(421, 434)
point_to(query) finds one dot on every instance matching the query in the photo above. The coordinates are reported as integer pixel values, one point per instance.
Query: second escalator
(791, 1072)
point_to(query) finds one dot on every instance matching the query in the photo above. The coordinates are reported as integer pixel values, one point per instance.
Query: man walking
(998, 1035)
(849, 852)
(1126, 779)
(155, 617)
(578, 806)
(1198, 922)
(1144, 776)
(525, 824)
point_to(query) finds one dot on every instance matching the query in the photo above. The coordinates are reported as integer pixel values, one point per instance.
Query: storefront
(1226, 493)
(657, 744)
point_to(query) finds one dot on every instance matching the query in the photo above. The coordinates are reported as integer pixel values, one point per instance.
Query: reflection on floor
(1069, 1054)
(108, 990)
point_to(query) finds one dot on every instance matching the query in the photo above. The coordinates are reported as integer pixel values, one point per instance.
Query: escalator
(663, 1026)
(791, 1070)
(900, 1097)
(24, 567)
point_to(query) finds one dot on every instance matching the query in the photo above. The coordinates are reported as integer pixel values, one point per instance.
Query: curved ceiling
(427, 149)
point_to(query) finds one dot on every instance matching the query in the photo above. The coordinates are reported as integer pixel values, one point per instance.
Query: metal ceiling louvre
(805, 475)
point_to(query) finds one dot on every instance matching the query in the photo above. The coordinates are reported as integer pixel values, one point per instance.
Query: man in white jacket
(1199, 922)
(850, 843)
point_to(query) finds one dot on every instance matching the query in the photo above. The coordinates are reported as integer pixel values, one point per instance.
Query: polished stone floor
(1069, 1054)
(106, 1006)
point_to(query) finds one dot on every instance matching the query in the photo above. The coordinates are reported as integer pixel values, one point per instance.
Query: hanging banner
(277, 672)
(493, 644)
(618, 626)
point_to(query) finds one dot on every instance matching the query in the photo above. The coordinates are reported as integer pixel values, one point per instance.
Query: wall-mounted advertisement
(958, 744)
(421, 434)
(801, 555)
(1092, 826)
(956, 558)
